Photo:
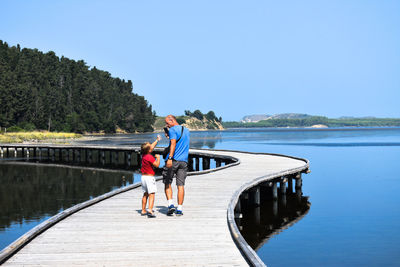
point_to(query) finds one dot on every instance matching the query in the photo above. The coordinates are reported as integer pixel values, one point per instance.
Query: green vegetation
(195, 120)
(314, 120)
(45, 92)
(19, 137)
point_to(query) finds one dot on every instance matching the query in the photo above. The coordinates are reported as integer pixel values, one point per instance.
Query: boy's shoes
(171, 210)
(178, 213)
(151, 215)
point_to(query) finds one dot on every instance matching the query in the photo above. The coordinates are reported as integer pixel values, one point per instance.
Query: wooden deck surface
(113, 233)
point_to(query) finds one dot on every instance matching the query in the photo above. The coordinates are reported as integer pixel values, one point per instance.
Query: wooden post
(8, 152)
(53, 152)
(255, 196)
(298, 181)
(299, 194)
(274, 191)
(2, 152)
(117, 157)
(190, 164)
(283, 186)
(40, 153)
(257, 215)
(89, 155)
(217, 163)
(206, 163)
(275, 207)
(197, 164)
(22, 152)
(103, 157)
(283, 200)
(290, 185)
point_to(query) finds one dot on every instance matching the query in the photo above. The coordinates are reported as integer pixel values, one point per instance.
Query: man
(176, 163)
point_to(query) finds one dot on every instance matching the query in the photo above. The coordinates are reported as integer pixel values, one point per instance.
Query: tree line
(42, 91)
(314, 120)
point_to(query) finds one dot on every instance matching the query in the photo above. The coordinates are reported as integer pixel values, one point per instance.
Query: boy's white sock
(180, 207)
(170, 202)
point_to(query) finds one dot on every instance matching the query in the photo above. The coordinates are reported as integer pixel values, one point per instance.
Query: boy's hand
(158, 137)
(157, 156)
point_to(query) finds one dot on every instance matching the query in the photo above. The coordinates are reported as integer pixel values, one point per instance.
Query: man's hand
(158, 138)
(169, 163)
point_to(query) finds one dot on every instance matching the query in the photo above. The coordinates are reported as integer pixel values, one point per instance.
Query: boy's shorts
(179, 168)
(149, 184)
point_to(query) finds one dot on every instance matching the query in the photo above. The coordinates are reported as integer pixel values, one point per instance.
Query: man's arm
(171, 153)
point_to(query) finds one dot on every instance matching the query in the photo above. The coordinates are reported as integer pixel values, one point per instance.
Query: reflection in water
(259, 223)
(31, 192)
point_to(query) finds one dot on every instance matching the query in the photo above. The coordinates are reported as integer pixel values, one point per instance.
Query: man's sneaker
(171, 210)
(178, 213)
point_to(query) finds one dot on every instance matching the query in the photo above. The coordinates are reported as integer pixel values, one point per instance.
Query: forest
(41, 91)
(314, 120)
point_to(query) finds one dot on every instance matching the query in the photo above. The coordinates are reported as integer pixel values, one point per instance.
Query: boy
(149, 186)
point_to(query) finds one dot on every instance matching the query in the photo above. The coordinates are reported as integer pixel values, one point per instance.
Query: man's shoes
(171, 210)
(178, 213)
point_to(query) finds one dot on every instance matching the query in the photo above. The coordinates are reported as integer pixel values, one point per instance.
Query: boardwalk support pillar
(255, 196)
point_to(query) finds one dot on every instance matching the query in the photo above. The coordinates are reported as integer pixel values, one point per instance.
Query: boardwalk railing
(108, 157)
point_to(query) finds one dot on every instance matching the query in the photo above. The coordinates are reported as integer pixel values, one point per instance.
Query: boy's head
(145, 148)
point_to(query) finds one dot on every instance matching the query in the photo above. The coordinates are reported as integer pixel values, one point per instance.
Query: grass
(35, 136)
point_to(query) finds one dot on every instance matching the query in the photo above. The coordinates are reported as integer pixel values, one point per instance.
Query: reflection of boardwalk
(112, 232)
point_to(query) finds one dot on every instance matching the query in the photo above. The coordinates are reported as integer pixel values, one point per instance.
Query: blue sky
(330, 58)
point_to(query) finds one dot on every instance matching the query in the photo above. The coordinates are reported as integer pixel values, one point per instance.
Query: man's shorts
(179, 168)
(148, 184)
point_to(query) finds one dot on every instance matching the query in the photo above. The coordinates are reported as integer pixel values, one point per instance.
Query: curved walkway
(113, 233)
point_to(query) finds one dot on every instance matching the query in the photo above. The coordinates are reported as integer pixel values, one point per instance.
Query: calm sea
(353, 190)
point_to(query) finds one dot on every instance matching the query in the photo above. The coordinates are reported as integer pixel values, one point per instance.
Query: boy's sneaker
(171, 210)
(178, 213)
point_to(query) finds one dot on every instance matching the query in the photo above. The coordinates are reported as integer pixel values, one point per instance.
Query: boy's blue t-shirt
(182, 147)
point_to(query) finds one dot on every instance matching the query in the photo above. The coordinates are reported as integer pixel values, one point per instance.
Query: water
(32, 193)
(353, 188)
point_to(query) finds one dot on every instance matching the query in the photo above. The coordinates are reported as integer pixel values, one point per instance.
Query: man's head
(170, 121)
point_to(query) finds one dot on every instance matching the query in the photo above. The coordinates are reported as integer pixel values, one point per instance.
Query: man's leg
(168, 191)
(167, 180)
(180, 183)
(181, 194)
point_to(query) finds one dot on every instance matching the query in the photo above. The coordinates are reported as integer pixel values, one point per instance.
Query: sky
(330, 58)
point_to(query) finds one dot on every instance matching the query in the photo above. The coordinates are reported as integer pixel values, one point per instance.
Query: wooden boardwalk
(113, 233)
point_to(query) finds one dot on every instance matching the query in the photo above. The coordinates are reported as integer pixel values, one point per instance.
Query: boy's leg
(151, 202)
(144, 202)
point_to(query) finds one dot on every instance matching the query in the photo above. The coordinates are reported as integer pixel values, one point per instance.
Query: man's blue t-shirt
(182, 147)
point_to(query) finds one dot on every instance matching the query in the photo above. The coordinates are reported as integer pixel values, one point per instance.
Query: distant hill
(304, 120)
(193, 121)
(257, 118)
